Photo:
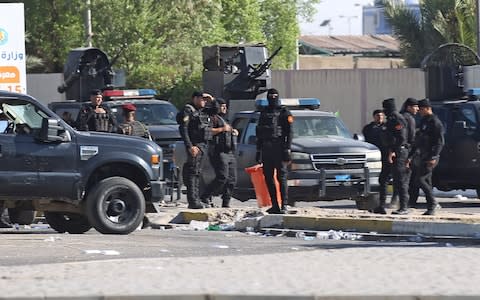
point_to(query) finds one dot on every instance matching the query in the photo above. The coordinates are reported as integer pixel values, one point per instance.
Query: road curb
(441, 227)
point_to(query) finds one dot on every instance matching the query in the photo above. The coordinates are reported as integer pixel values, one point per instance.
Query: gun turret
(236, 72)
(85, 69)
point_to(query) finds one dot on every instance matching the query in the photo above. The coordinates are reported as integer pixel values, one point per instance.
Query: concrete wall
(44, 87)
(353, 93)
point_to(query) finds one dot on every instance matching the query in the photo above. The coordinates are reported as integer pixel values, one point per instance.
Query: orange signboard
(9, 74)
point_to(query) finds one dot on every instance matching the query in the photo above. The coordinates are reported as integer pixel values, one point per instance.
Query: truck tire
(115, 205)
(21, 216)
(67, 222)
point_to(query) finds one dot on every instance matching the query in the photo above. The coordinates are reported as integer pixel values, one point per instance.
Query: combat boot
(195, 205)
(380, 210)
(275, 211)
(226, 203)
(401, 211)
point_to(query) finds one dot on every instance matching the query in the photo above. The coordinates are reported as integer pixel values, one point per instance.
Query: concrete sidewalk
(314, 218)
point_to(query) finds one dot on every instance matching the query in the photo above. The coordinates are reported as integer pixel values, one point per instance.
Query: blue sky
(333, 10)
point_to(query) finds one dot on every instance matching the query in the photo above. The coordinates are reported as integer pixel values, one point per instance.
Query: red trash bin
(261, 190)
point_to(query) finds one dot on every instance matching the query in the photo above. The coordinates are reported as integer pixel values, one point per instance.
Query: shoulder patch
(186, 118)
(290, 119)
(398, 126)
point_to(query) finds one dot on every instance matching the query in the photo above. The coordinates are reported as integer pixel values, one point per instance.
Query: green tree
(441, 21)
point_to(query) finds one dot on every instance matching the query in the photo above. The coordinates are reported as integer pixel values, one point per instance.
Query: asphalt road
(32, 246)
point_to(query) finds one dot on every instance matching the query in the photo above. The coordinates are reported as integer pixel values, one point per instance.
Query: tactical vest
(225, 141)
(269, 126)
(199, 126)
(101, 122)
(135, 128)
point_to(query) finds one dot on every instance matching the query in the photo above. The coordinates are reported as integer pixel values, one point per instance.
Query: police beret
(129, 107)
(197, 94)
(95, 92)
(424, 103)
(411, 102)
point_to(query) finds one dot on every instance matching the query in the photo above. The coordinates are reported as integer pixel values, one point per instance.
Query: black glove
(287, 155)
(258, 157)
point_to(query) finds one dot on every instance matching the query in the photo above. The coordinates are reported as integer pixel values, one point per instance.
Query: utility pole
(88, 23)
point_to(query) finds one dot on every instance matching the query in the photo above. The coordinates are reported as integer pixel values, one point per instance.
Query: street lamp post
(349, 20)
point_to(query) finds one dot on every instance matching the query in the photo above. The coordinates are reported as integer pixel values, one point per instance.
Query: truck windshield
(151, 114)
(319, 126)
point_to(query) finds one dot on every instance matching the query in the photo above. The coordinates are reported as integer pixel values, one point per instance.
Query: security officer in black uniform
(274, 140)
(373, 130)
(396, 139)
(196, 131)
(221, 153)
(410, 109)
(426, 154)
(95, 116)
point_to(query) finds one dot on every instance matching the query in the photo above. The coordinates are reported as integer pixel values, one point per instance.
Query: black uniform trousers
(224, 165)
(400, 174)
(272, 155)
(423, 180)
(191, 173)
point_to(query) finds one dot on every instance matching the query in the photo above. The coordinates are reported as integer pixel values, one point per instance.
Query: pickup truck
(78, 179)
(157, 115)
(327, 162)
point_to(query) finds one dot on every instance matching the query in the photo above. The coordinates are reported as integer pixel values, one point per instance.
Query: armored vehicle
(452, 74)
(78, 179)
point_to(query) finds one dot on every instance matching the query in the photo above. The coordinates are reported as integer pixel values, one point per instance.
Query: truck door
(246, 150)
(463, 142)
(18, 169)
(32, 169)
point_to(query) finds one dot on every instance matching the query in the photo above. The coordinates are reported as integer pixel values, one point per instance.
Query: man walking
(274, 140)
(221, 154)
(426, 154)
(397, 154)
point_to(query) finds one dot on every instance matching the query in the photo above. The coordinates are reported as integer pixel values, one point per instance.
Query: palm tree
(439, 22)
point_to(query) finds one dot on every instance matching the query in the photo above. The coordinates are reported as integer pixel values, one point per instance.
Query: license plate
(342, 177)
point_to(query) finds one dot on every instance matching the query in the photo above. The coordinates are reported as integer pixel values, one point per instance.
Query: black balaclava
(388, 106)
(272, 97)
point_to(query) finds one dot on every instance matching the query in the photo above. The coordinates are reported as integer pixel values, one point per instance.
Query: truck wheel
(115, 205)
(67, 222)
(20, 216)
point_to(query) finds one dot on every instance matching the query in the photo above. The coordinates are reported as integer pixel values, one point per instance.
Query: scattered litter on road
(337, 235)
(52, 239)
(461, 197)
(309, 238)
(164, 250)
(39, 226)
(103, 252)
(199, 225)
(449, 245)
(295, 248)
(221, 246)
(249, 229)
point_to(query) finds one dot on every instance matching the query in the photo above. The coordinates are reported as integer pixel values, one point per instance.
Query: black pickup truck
(327, 162)
(78, 179)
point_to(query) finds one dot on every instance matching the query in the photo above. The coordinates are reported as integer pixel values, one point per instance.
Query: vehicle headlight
(374, 164)
(301, 161)
(300, 156)
(374, 155)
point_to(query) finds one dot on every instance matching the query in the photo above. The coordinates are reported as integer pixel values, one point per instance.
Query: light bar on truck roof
(129, 93)
(300, 102)
(474, 92)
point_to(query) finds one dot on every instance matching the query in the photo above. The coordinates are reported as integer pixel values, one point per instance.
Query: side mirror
(51, 131)
(359, 137)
